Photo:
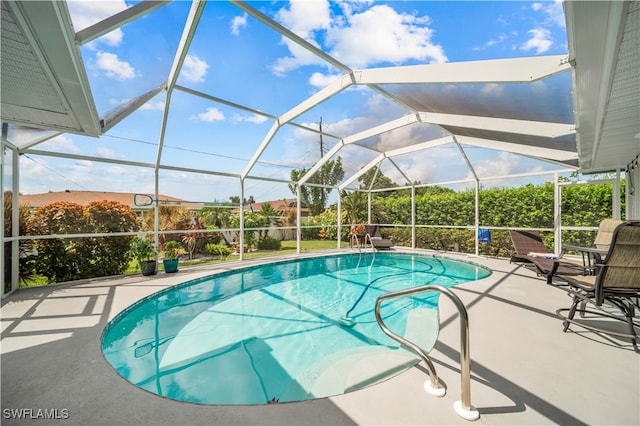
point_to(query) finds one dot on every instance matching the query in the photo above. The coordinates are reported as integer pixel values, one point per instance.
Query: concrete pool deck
(524, 370)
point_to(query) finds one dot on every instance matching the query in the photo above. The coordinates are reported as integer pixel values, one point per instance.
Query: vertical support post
(557, 215)
(156, 211)
(2, 236)
(632, 205)
(241, 242)
(298, 220)
(369, 206)
(615, 191)
(413, 216)
(15, 222)
(477, 216)
(339, 227)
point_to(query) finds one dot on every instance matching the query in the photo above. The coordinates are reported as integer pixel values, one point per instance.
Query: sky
(235, 58)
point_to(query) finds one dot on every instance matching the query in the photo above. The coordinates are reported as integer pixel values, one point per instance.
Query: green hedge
(529, 206)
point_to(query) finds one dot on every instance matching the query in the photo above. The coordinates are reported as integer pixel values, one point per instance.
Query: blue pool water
(272, 332)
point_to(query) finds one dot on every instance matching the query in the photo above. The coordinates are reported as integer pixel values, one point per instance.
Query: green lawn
(288, 247)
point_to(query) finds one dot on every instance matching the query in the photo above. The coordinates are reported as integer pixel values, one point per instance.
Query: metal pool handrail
(364, 242)
(462, 407)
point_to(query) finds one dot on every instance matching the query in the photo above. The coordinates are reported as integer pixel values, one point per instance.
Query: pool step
(423, 327)
(356, 368)
(349, 370)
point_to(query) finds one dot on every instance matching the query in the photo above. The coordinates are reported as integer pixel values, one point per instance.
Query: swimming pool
(272, 333)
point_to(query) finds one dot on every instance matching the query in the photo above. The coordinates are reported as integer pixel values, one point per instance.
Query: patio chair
(376, 239)
(530, 250)
(615, 284)
(594, 254)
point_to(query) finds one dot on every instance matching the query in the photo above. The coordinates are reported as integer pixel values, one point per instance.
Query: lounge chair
(376, 239)
(530, 250)
(617, 281)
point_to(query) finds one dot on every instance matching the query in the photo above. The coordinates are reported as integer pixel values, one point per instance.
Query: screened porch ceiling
(576, 110)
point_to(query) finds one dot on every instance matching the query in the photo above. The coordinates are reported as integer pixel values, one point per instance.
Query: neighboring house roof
(281, 205)
(85, 197)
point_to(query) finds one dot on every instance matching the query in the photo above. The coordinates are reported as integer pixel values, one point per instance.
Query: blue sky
(236, 58)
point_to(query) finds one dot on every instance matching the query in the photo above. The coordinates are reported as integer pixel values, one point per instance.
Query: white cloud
(106, 152)
(423, 171)
(114, 67)
(492, 89)
(194, 69)
(211, 115)
(153, 106)
(299, 57)
(306, 17)
(399, 138)
(504, 164)
(83, 165)
(238, 22)
(554, 13)
(86, 13)
(540, 40)
(36, 170)
(253, 118)
(502, 37)
(378, 34)
(381, 34)
(322, 80)
(60, 144)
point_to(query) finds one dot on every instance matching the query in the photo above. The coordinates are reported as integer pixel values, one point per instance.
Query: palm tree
(354, 206)
(272, 215)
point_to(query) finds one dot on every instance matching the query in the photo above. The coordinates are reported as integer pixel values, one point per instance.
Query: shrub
(325, 221)
(142, 250)
(26, 262)
(106, 256)
(58, 259)
(217, 250)
(75, 258)
(172, 250)
(269, 243)
(251, 220)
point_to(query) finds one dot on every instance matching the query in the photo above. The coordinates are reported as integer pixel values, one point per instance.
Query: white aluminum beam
(547, 154)
(263, 145)
(420, 146)
(116, 21)
(290, 35)
(39, 140)
(516, 70)
(401, 172)
(390, 125)
(224, 102)
(466, 160)
(133, 106)
(190, 26)
(127, 163)
(321, 162)
(394, 153)
(521, 127)
(336, 86)
(361, 172)
(385, 127)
